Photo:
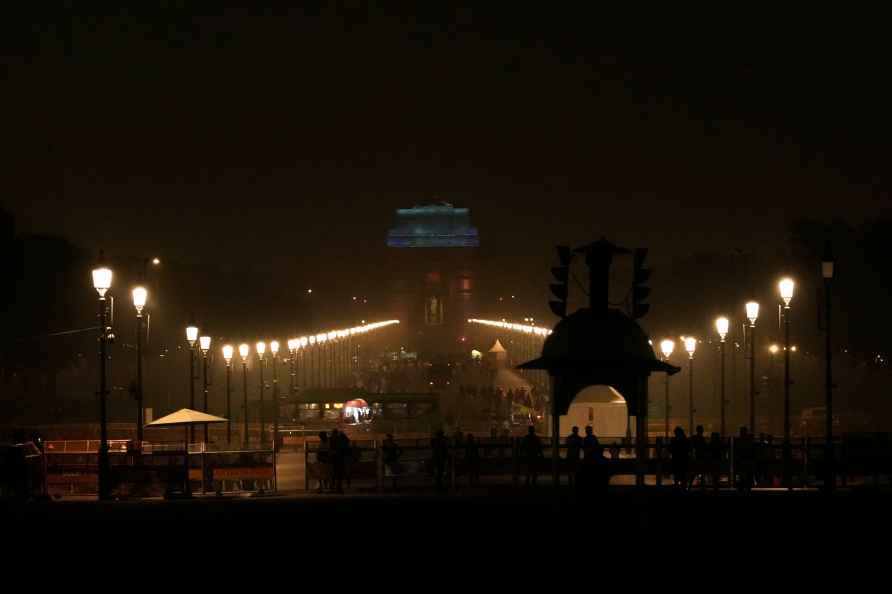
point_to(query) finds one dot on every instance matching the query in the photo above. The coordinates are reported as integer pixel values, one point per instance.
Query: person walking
(336, 456)
(716, 459)
(323, 462)
(532, 454)
(391, 452)
(472, 460)
(439, 457)
(700, 460)
(574, 449)
(680, 448)
(744, 461)
(592, 472)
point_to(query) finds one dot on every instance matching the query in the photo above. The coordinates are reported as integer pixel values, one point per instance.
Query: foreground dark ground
(773, 514)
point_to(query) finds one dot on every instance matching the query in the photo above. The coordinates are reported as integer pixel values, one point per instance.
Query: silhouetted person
(700, 457)
(439, 457)
(531, 453)
(679, 448)
(323, 459)
(716, 458)
(391, 452)
(337, 455)
(593, 470)
(472, 459)
(574, 449)
(744, 460)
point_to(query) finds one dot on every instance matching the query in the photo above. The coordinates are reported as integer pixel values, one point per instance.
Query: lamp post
(205, 344)
(827, 270)
(690, 345)
(227, 356)
(752, 314)
(721, 326)
(261, 349)
(304, 361)
(139, 302)
(102, 278)
(786, 287)
(244, 350)
(292, 353)
(274, 349)
(191, 338)
(667, 346)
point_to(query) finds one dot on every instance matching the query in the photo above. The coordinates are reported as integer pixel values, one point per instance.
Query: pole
(139, 401)
(262, 415)
(104, 468)
(666, 406)
(228, 404)
(788, 483)
(829, 459)
(191, 389)
(275, 401)
(245, 386)
(291, 386)
(753, 378)
(204, 381)
(691, 394)
(555, 438)
(722, 390)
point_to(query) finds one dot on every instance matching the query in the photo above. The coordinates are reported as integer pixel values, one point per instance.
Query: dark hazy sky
(287, 139)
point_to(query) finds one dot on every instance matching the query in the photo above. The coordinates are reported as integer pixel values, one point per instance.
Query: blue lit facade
(432, 256)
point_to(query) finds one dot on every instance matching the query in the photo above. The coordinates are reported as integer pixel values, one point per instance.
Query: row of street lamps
(102, 281)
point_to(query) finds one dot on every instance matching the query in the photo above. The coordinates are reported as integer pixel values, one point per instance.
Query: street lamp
(102, 278)
(192, 338)
(139, 302)
(752, 314)
(244, 350)
(721, 326)
(690, 345)
(827, 269)
(667, 346)
(785, 287)
(261, 349)
(274, 349)
(227, 357)
(205, 344)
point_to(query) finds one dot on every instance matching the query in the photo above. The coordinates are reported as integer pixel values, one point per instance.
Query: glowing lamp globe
(139, 298)
(227, 353)
(261, 348)
(102, 278)
(274, 347)
(786, 286)
(244, 350)
(752, 312)
(667, 346)
(191, 335)
(690, 345)
(205, 344)
(721, 326)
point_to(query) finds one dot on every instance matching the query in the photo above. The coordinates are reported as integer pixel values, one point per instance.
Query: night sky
(284, 141)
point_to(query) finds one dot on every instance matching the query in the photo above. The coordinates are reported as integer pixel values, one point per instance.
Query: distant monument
(432, 258)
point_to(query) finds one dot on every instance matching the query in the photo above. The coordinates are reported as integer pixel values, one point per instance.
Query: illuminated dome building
(432, 256)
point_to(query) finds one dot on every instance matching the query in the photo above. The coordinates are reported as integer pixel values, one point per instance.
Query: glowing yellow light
(786, 286)
(205, 344)
(721, 326)
(667, 346)
(774, 349)
(261, 348)
(139, 298)
(752, 312)
(244, 350)
(274, 347)
(690, 345)
(227, 353)
(102, 279)
(191, 335)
